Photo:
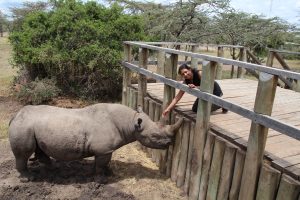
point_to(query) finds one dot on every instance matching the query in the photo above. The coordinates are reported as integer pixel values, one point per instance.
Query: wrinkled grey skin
(71, 134)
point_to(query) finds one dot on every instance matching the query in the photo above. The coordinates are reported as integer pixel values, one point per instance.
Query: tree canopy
(212, 21)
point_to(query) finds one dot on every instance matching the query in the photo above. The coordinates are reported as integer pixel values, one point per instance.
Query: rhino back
(64, 134)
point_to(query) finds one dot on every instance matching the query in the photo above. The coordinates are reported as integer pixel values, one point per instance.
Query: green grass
(3, 129)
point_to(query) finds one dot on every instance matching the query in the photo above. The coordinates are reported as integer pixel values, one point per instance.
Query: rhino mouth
(161, 144)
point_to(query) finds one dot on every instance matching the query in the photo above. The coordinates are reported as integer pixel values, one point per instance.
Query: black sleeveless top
(197, 81)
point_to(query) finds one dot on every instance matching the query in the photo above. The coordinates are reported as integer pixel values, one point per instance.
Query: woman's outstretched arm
(173, 103)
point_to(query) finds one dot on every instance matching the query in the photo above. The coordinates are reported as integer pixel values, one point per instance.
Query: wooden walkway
(282, 151)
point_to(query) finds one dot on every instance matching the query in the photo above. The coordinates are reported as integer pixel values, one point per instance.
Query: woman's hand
(191, 85)
(165, 112)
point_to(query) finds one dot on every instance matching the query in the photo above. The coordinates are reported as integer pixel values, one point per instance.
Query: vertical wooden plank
(129, 96)
(189, 159)
(232, 66)
(227, 172)
(170, 153)
(194, 61)
(237, 175)
(201, 128)
(151, 109)
(258, 134)
(134, 98)
(160, 61)
(183, 154)
(220, 65)
(156, 152)
(145, 110)
(207, 157)
(126, 74)
(142, 81)
(170, 68)
(215, 169)
(171, 61)
(163, 156)
(289, 189)
(268, 183)
(270, 59)
(146, 105)
(151, 115)
(176, 154)
(243, 57)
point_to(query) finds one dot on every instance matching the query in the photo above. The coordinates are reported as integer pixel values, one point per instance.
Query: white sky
(288, 10)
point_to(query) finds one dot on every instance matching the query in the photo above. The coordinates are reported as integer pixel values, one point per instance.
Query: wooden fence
(202, 163)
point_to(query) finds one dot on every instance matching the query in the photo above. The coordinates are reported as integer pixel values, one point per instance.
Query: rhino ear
(139, 109)
(138, 126)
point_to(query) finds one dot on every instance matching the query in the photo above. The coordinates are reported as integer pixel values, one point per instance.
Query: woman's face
(186, 74)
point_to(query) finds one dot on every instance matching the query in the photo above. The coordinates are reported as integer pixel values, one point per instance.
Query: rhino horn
(176, 126)
(162, 121)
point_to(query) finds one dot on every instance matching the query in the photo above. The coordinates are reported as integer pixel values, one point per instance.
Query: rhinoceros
(71, 134)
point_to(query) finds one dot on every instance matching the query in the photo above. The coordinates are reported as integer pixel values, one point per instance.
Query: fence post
(232, 66)
(126, 74)
(270, 59)
(142, 81)
(171, 61)
(243, 57)
(160, 61)
(258, 134)
(201, 128)
(194, 61)
(220, 65)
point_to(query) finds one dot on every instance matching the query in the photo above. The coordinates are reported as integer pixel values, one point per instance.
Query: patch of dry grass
(3, 129)
(7, 107)
(6, 71)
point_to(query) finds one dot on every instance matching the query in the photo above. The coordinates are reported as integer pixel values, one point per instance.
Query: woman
(192, 77)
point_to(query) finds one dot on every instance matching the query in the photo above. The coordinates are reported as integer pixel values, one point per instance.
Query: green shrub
(73, 42)
(38, 91)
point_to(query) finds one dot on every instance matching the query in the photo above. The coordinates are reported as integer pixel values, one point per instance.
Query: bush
(38, 91)
(73, 42)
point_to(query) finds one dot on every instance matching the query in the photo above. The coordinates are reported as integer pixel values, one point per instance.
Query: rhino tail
(11, 120)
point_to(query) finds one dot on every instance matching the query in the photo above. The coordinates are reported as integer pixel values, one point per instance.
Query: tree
(79, 44)
(3, 23)
(256, 32)
(19, 13)
(175, 22)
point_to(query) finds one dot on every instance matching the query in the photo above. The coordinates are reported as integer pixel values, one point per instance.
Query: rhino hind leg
(21, 163)
(41, 156)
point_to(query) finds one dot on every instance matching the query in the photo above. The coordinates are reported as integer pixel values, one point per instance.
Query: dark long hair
(183, 66)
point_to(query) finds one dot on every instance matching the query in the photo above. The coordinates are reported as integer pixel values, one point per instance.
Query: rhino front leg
(102, 164)
(102, 169)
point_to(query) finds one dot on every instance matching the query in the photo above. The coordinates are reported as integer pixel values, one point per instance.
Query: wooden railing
(287, 83)
(260, 116)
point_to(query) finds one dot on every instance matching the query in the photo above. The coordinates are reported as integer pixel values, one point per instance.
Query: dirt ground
(135, 176)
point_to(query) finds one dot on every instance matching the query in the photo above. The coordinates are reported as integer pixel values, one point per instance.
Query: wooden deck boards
(281, 149)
